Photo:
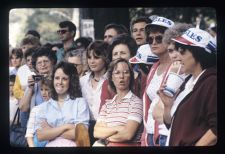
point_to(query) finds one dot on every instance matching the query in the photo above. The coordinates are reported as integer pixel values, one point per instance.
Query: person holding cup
(193, 121)
(155, 134)
(177, 30)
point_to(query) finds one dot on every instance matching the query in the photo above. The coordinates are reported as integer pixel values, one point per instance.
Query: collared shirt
(61, 52)
(92, 96)
(71, 112)
(118, 113)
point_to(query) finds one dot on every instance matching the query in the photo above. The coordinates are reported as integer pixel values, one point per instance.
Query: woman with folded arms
(119, 121)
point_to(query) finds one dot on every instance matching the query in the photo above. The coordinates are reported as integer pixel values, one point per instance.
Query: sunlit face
(43, 65)
(138, 33)
(65, 34)
(76, 60)
(15, 61)
(29, 61)
(121, 77)
(95, 63)
(61, 82)
(121, 51)
(173, 53)
(45, 92)
(157, 46)
(109, 34)
(188, 61)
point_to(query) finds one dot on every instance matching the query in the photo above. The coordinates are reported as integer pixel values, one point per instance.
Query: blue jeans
(161, 140)
(38, 143)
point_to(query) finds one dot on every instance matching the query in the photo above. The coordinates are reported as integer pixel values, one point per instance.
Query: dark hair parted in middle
(74, 90)
(112, 66)
(123, 39)
(99, 49)
(17, 52)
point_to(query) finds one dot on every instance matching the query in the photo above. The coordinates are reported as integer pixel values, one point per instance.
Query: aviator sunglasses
(62, 31)
(158, 39)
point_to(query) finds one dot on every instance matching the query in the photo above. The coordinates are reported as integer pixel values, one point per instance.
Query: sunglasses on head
(63, 31)
(158, 39)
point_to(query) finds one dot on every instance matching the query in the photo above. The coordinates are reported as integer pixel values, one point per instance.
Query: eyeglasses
(158, 39)
(126, 73)
(62, 31)
(44, 61)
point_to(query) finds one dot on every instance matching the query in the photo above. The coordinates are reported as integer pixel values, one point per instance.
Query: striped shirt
(118, 113)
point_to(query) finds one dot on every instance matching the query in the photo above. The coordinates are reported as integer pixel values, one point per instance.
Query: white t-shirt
(152, 94)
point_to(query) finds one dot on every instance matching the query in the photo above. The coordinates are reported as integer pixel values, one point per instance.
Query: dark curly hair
(123, 39)
(74, 90)
(43, 51)
(112, 66)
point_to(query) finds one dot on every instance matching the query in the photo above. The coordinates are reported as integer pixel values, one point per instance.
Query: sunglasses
(158, 39)
(63, 31)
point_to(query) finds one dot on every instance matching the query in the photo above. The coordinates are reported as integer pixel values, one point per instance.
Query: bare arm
(168, 103)
(158, 112)
(24, 104)
(50, 133)
(30, 141)
(126, 133)
(209, 138)
(102, 131)
(69, 134)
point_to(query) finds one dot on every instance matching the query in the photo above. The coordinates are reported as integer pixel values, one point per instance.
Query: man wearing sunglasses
(66, 32)
(155, 134)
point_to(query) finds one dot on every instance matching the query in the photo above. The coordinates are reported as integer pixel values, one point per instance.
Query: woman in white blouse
(91, 83)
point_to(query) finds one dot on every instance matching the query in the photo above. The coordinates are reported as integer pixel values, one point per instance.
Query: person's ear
(73, 32)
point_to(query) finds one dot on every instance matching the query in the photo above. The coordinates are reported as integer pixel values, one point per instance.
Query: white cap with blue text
(199, 38)
(144, 55)
(161, 21)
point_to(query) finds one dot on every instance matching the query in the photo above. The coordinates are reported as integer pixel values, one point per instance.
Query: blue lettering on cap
(193, 36)
(139, 55)
(163, 20)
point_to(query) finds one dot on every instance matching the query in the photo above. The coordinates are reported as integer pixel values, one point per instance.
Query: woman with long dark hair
(59, 118)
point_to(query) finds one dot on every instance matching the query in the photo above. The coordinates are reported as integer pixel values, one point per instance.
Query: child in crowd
(30, 134)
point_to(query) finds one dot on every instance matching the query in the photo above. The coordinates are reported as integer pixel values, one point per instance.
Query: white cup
(173, 82)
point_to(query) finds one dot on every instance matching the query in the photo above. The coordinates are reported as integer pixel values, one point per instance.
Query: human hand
(45, 125)
(166, 100)
(69, 126)
(158, 111)
(30, 82)
(102, 124)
